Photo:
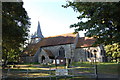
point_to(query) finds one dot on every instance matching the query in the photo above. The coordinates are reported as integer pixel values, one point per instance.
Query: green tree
(15, 28)
(102, 20)
(102, 23)
(113, 51)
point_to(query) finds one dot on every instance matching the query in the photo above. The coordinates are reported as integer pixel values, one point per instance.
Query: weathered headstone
(61, 72)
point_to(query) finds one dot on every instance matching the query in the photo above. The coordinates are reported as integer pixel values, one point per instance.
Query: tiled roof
(49, 53)
(58, 40)
(50, 41)
(30, 50)
(85, 42)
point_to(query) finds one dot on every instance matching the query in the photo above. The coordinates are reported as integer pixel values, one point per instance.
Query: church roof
(30, 50)
(58, 40)
(65, 35)
(85, 42)
(49, 53)
(50, 41)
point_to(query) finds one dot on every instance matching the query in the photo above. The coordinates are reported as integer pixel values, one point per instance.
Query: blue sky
(53, 18)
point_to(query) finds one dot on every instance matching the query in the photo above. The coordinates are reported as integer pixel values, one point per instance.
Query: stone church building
(62, 48)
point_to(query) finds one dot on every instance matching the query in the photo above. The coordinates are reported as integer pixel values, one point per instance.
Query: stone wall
(99, 54)
(69, 51)
(55, 49)
(36, 55)
(79, 55)
(75, 55)
(72, 53)
(27, 59)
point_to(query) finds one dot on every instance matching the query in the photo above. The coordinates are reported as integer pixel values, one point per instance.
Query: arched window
(91, 55)
(88, 54)
(62, 52)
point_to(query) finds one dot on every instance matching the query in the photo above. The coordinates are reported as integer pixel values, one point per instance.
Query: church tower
(37, 35)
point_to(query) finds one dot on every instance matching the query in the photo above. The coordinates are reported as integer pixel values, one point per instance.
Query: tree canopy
(102, 20)
(113, 51)
(15, 28)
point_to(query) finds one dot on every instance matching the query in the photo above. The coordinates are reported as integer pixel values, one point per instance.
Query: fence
(49, 72)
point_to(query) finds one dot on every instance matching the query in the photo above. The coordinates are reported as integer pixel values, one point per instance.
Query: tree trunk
(5, 63)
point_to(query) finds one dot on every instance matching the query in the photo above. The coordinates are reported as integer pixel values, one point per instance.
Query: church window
(62, 52)
(91, 55)
(88, 54)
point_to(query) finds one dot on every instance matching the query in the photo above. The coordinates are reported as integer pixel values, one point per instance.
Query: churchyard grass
(102, 68)
(108, 68)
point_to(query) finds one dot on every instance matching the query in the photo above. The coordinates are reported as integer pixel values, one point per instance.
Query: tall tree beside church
(15, 28)
(103, 20)
(103, 23)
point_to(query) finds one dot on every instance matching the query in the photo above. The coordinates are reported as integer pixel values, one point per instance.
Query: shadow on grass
(60, 78)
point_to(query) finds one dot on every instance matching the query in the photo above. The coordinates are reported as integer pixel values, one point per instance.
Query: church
(62, 48)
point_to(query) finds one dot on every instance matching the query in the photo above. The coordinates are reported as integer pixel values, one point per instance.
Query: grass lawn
(111, 68)
(108, 68)
(103, 68)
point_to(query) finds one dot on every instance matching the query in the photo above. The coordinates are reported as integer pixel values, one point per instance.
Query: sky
(53, 18)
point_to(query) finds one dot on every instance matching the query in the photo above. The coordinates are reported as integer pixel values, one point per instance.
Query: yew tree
(15, 28)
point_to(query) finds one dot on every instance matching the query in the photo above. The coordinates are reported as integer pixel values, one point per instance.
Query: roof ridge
(62, 35)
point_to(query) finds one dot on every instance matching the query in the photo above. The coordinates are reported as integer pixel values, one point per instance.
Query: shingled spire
(39, 32)
(37, 35)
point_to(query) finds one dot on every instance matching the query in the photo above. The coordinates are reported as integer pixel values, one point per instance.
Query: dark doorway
(42, 59)
(69, 61)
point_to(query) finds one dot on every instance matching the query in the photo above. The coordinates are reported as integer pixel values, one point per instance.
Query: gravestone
(61, 72)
